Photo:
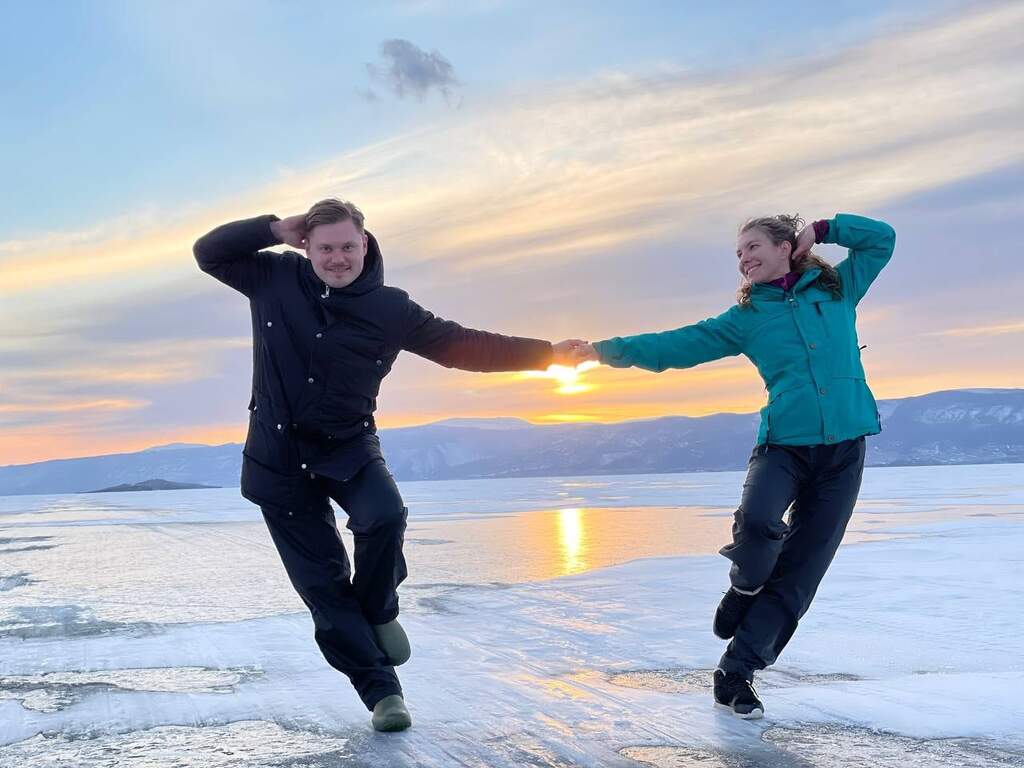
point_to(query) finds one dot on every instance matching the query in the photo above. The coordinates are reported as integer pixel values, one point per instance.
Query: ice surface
(903, 488)
(177, 641)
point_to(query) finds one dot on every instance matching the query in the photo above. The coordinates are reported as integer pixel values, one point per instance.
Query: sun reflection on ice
(572, 540)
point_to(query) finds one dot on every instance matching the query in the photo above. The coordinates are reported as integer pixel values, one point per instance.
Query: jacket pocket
(770, 411)
(858, 403)
(267, 411)
(269, 439)
(274, 490)
(828, 316)
(359, 371)
(792, 414)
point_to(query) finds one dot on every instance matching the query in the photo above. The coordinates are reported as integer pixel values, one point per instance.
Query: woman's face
(760, 260)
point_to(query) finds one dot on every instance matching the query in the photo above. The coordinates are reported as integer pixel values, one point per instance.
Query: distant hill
(969, 426)
(152, 485)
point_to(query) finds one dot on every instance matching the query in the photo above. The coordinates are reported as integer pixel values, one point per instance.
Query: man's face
(337, 252)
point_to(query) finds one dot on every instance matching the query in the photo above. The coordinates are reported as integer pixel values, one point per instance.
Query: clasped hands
(572, 352)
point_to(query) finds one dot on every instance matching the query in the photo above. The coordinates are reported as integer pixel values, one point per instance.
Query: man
(326, 331)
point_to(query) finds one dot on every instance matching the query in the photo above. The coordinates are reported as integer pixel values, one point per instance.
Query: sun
(568, 378)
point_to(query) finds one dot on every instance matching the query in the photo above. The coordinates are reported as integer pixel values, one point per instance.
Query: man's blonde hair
(331, 211)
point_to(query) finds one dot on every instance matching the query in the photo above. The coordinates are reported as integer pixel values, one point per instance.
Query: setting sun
(568, 378)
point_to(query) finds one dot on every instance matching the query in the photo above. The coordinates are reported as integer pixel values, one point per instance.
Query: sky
(551, 170)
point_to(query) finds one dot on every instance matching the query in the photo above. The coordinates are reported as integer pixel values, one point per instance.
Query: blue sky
(118, 103)
(582, 175)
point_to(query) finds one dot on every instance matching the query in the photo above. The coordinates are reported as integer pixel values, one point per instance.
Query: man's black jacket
(319, 357)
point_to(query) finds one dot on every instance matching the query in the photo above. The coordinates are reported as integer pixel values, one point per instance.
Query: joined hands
(572, 352)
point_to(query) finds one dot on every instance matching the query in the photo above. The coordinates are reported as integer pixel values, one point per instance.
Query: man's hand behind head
(291, 231)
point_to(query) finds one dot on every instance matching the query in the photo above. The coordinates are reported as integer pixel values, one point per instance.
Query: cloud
(110, 383)
(407, 69)
(998, 329)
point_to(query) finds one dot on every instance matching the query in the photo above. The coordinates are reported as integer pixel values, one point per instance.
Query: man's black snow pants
(345, 606)
(786, 560)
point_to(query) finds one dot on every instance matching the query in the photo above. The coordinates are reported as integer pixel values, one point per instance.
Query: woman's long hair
(780, 229)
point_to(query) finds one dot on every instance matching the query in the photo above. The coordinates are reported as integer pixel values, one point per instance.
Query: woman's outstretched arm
(684, 347)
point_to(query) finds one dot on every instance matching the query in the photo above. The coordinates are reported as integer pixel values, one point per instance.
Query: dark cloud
(405, 69)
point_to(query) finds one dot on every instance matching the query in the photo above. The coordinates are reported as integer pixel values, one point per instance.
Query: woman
(794, 318)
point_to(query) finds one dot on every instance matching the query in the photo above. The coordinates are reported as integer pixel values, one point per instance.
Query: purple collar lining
(787, 282)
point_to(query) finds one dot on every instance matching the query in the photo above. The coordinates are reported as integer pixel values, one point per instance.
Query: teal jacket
(803, 342)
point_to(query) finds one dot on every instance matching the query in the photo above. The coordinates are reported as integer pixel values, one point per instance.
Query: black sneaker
(730, 613)
(734, 692)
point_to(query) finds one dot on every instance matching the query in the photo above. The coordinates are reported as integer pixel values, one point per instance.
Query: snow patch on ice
(832, 747)
(7, 540)
(15, 580)
(236, 745)
(53, 691)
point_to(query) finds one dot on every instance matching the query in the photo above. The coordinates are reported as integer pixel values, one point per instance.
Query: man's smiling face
(337, 252)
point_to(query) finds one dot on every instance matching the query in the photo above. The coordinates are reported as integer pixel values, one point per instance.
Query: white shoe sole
(755, 714)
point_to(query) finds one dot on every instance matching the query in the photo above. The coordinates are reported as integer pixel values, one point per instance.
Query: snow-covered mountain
(970, 426)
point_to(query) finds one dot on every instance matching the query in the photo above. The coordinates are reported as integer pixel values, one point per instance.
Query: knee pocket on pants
(759, 528)
(395, 517)
(385, 518)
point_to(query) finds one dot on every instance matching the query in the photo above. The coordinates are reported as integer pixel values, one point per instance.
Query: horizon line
(506, 418)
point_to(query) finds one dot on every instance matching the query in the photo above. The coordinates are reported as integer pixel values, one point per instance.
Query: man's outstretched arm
(454, 346)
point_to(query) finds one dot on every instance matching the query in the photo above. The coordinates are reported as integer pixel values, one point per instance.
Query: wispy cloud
(997, 329)
(71, 406)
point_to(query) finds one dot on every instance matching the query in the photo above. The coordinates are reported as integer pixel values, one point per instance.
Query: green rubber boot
(390, 714)
(393, 641)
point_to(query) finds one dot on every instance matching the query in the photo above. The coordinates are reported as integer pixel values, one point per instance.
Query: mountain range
(966, 426)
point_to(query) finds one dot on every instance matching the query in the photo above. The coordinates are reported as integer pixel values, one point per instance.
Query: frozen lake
(555, 622)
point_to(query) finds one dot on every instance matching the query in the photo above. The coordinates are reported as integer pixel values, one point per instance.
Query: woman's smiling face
(760, 260)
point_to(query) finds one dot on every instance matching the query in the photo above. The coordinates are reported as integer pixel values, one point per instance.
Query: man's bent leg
(315, 560)
(377, 519)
